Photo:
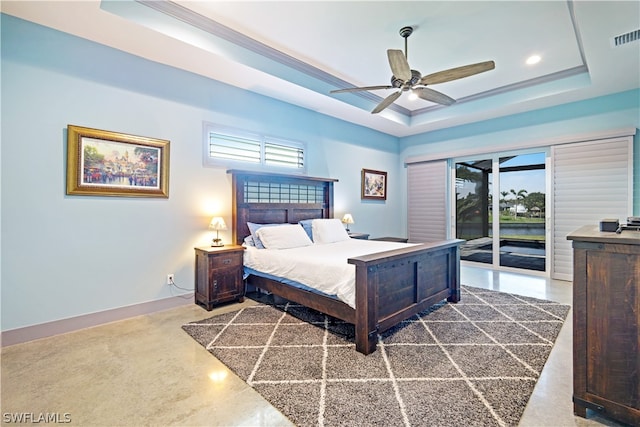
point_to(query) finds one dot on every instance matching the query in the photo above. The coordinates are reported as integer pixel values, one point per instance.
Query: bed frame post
(454, 268)
(366, 320)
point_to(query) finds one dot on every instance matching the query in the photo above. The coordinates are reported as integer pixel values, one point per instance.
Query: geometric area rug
(474, 363)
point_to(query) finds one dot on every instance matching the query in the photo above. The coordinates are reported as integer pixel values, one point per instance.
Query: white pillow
(328, 231)
(284, 236)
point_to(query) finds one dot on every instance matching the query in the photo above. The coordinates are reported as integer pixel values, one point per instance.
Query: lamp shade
(347, 219)
(217, 223)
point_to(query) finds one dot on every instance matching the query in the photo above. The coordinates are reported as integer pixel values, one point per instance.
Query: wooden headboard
(270, 198)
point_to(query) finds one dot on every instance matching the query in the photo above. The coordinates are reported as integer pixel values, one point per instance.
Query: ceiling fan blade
(399, 65)
(386, 102)
(356, 89)
(457, 73)
(434, 96)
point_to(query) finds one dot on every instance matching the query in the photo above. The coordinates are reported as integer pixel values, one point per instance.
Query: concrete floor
(147, 371)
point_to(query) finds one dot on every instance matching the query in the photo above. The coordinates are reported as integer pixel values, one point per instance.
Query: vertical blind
(427, 201)
(591, 181)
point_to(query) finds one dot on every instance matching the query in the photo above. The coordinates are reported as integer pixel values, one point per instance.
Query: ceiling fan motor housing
(398, 83)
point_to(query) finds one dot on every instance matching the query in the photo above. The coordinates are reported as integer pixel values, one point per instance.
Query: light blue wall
(64, 256)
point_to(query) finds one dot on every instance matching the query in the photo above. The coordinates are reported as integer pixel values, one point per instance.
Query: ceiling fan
(405, 79)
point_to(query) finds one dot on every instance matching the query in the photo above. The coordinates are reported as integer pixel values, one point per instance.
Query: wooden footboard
(391, 286)
(394, 285)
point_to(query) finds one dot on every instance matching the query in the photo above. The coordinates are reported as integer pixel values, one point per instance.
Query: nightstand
(362, 236)
(392, 239)
(219, 275)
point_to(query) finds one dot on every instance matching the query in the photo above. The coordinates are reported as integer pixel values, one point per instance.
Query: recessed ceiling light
(533, 59)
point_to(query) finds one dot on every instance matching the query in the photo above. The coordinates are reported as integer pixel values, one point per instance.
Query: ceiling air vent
(632, 36)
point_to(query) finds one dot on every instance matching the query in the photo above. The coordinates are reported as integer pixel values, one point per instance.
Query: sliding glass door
(502, 215)
(522, 216)
(473, 209)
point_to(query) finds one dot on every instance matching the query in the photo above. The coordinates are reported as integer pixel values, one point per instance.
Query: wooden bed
(391, 286)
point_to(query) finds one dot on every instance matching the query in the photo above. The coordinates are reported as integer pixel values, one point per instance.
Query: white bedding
(323, 267)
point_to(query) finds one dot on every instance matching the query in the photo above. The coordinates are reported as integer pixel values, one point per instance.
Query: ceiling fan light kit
(404, 78)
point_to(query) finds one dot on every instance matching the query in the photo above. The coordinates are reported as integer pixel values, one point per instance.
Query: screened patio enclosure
(518, 204)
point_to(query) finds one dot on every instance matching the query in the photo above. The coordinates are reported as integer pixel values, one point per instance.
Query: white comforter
(323, 267)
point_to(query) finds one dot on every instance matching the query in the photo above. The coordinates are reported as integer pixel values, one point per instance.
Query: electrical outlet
(170, 279)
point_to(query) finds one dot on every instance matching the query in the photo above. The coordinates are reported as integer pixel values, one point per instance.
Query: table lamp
(347, 219)
(217, 223)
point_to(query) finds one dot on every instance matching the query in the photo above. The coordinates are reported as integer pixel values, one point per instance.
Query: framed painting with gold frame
(374, 185)
(105, 163)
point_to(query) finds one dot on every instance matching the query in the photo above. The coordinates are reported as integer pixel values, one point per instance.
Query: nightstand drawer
(225, 261)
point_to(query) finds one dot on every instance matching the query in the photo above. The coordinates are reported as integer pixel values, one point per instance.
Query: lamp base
(217, 243)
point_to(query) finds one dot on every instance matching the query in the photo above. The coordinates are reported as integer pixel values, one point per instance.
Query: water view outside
(521, 210)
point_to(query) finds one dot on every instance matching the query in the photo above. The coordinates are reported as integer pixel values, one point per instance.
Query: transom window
(225, 146)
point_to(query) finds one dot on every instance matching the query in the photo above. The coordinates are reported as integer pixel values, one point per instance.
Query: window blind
(236, 148)
(282, 155)
(591, 181)
(232, 147)
(427, 201)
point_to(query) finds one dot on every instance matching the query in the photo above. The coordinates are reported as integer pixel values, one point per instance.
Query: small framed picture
(104, 163)
(374, 185)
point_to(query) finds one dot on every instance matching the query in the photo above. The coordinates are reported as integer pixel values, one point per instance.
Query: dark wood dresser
(606, 323)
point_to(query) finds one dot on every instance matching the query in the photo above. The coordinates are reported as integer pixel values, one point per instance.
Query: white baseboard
(43, 330)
